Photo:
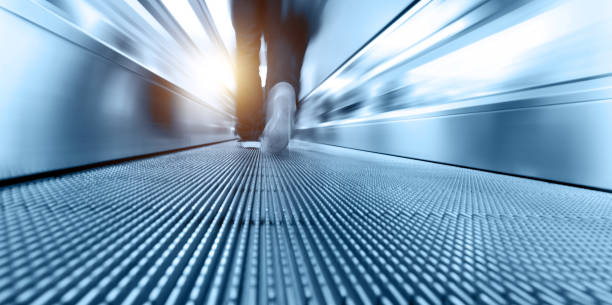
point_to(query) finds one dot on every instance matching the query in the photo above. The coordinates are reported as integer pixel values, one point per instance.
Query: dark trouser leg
(247, 18)
(286, 39)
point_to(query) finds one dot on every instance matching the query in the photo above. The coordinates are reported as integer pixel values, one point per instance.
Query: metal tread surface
(316, 225)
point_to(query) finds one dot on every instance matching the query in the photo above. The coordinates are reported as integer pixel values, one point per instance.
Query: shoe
(280, 113)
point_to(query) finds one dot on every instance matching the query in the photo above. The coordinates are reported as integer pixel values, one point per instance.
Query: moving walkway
(317, 225)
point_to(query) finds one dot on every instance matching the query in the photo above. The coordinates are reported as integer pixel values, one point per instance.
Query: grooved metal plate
(317, 225)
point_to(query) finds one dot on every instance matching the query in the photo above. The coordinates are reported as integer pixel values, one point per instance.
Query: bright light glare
(210, 71)
(212, 74)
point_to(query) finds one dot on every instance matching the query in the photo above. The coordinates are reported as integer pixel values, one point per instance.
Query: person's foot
(279, 118)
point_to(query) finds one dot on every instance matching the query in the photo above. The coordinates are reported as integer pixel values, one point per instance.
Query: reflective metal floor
(318, 225)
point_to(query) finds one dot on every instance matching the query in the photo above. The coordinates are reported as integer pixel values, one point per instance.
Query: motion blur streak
(91, 81)
(481, 62)
(193, 62)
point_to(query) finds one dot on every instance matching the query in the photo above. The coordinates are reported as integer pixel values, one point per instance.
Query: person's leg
(247, 18)
(286, 35)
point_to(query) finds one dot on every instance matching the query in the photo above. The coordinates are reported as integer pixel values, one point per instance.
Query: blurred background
(520, 87)
(99, 206)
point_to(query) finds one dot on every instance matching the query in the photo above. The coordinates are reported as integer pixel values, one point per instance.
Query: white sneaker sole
(281, 109)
